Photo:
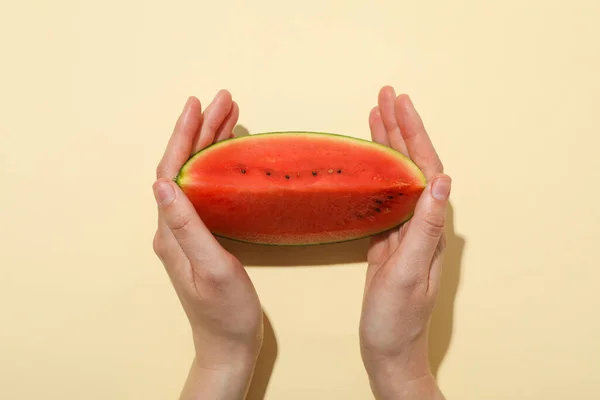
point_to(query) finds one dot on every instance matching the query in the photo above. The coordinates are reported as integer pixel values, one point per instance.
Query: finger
(213, 118)
(386, 101)
(418, 143)
(180, 143)
(378, 132)
(421, 239)
(182, 220)
(226, 129)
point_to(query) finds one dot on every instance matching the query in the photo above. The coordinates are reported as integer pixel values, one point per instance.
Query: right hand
(405, 265)
(214, 289)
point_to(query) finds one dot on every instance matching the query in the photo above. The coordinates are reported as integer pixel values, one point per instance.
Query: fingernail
(164, 193)
(441, 188)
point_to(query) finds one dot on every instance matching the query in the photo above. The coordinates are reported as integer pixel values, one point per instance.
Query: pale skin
(219, 299)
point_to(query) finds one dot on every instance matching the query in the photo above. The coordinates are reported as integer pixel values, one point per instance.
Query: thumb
(180, 216)
(423, 235)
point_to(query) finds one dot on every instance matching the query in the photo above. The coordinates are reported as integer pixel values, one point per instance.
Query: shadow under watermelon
(253, 255)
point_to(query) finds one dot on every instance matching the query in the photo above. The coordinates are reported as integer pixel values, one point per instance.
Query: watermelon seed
(378, 201)
(243, 171)
(287, 177)
(314, 173)
(339, 171)
(400, 194)
(268, 173)
(330, 171)
(390, 197)
(378, 210)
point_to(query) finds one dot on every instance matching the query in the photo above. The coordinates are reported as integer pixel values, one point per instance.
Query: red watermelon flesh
(298, 188)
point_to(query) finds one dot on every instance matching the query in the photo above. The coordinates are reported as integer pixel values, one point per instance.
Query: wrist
(226, 380)
(221, 352)
(222, 369)
(389, 386)
(396, 381)
(404, 375)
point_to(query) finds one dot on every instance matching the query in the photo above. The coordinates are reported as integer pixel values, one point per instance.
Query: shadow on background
(440, 333)
(253, 255)
(240, 130)
(265, 363)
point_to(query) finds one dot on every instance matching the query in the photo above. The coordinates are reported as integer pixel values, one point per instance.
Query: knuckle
(165, 170)
(180, 225)
(216, 275)
(411, 284)
(414, 283)
(406, 277)
(439, 165)
(433, 226)
(160, 168)
(158, 245)
(436, 164)
(219, 273)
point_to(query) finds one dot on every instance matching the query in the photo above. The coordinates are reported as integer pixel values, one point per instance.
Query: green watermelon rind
(417, 171)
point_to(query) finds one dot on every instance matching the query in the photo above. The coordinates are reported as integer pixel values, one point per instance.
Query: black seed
(314, 173)
(400, 194)
(268, 173)
(390, 197)
(359, 216)
(287, 177)
(378, 210)
(339, 171)
(378, 201)
(243, 171)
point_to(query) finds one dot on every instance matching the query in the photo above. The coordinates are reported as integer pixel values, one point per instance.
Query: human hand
(214, 289)
(404, 265)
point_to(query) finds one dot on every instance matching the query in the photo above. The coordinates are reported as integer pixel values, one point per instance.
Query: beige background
(89, 92)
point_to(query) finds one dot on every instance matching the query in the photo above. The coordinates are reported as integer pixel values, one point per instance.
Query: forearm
(230, 382)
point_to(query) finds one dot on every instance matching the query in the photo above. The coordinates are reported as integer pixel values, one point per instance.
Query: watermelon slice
(300, 188)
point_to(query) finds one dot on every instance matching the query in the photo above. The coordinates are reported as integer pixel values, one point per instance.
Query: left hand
(214, 289)
(403, 275)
